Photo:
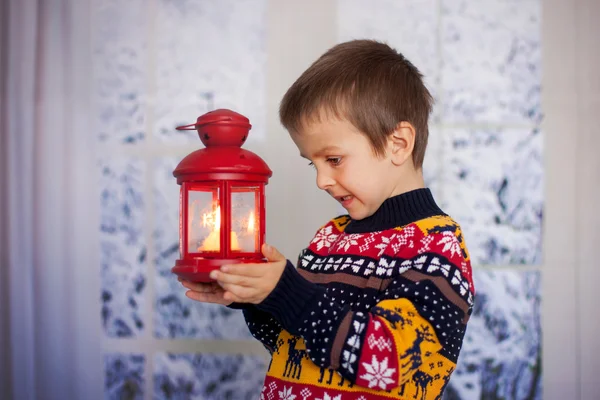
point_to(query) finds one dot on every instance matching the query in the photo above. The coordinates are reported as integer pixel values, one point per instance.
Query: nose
(324, 181)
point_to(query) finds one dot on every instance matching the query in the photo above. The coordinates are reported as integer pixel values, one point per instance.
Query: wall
(571, 100)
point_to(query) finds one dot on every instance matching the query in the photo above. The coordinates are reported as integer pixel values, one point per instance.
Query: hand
(251, 283)
(205, 292)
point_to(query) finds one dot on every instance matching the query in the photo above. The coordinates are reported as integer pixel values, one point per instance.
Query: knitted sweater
(376, 308)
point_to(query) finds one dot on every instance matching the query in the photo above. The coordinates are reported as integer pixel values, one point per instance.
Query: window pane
(124, 376)
(204, 220)
(245, 219)
(123, 259)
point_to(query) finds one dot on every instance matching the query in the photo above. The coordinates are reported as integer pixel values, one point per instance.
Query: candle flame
(251, 222)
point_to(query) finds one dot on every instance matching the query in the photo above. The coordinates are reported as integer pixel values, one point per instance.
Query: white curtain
(49, 281)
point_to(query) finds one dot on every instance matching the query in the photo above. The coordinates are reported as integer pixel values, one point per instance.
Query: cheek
(355, 176)
(369, 178)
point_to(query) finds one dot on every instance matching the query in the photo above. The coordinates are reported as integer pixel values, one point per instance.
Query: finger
(239, 293)
(238, 280)
(249, 270)
(271, 253)
(207, 297)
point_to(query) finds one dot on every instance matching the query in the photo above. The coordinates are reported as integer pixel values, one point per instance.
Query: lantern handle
(196, 125)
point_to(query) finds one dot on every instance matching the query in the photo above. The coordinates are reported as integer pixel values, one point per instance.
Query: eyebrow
(324, 150)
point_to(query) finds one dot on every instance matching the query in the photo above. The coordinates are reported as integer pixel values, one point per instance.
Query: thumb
(271, 253)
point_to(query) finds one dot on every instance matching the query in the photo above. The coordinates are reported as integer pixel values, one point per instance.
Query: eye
(311, 164)
(334, 160)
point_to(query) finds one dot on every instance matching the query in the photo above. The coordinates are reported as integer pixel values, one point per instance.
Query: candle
(213, 240)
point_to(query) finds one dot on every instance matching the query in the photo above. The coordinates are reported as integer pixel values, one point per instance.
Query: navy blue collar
(398, 211)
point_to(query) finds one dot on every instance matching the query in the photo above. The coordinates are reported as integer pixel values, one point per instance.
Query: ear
(402, 142)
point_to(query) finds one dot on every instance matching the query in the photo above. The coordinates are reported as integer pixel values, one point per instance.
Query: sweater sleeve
(261, 324)
(263, 327)
(417, 318)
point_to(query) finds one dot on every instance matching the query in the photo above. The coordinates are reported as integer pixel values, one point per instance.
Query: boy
(381, 296)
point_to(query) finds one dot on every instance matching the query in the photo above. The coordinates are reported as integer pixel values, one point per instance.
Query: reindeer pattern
(275, 350)
(411, 361)
(330, 380)
(293, 365)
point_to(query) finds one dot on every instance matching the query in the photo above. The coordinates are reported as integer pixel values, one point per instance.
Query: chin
(358, 215)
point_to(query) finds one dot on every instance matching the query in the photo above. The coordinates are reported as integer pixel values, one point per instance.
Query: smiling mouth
(342, 199)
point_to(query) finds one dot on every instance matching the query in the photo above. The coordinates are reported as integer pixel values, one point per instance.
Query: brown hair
(368, 83)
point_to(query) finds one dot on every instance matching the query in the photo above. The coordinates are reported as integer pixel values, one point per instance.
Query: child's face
(347, 168)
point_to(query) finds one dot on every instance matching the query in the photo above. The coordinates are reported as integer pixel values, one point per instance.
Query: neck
(408, 181)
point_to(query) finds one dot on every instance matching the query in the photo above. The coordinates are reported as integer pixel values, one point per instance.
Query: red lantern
(222, 198)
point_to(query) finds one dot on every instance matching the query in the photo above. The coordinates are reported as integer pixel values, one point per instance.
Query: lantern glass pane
(245, 219)
(204, 220)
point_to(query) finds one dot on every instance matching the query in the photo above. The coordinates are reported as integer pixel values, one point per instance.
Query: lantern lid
(220, 127)
(223, 132)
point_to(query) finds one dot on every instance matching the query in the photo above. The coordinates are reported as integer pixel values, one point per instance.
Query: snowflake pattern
(404, 238)
(272, 388)
(367, 241)
(379, 342)
(347, 241)
(385, 267)
(385, 242)
(354, 340)
(355, 264)
(305, 393)
(436, 265)
(426, 242)
(325, 237)
(458, 281)
(286, 394)
(348, 360)
(378, 374)
(420, 262)
(305, 259)
(349, 356)
(370, 268)
(405, 266)
(333, 263)
(451, 244)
